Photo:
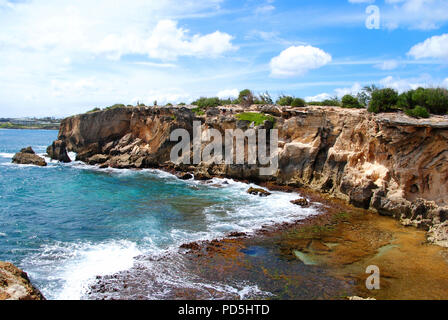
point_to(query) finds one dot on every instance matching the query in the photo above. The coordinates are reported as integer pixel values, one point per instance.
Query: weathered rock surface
(15, 284)
(301, 202)
(258, 192)
(58, 151)
(391, 163)
(28, 156)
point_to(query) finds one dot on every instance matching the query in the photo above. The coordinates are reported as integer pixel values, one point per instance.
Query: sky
(59, 57)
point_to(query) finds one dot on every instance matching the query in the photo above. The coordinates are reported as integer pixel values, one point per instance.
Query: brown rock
(27, 156)
(97, 159)
(15, 284)
(258, 192)
(301, 202)
(58, 151)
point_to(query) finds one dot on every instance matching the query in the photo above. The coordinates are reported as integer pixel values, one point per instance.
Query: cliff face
(15, 285)
(388, 162)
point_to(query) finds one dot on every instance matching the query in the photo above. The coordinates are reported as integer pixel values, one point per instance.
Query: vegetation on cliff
(255, 117)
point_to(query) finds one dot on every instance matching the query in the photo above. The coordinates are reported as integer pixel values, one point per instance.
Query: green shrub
(326, 103)
(383, 100)
(436, 100)
(285, 100)
(349, 101)
(404, 101)
(198, 111)
(257, 118)
(205, 103)
(418, 112)
(433, 99)
(298, 103)
(115, 106)
(246, 97)
(94, 110)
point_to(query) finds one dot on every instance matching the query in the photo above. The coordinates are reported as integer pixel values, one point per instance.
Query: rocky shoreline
(322, 257)
(390, 163)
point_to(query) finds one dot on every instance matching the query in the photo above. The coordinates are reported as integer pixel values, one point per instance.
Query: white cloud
(297, 60)
(415, 14)
(124, 27)
(402, 85)
(412, 14)
(339, 92)
(434, 47)
(387, 65)
(78, 87)
(224, 94)
(445, 83)
(166, 42)
(353, 90)
(319, 97)
(173, 96)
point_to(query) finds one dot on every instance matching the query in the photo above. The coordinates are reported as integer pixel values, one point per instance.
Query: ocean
(66, 224)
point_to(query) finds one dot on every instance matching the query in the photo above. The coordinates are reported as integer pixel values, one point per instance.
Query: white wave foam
(6, 155)
(3, 234)
(71, 267)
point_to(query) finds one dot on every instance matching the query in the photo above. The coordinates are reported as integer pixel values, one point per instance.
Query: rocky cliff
(391, 163)
(15, 285)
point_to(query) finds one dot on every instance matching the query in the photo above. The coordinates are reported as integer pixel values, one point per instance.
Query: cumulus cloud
(434, 47)
(116, 29)
(166, 42)
(224, 94)
(319, 97)
(298, 60)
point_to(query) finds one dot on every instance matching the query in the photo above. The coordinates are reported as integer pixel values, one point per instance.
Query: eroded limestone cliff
(392, 163)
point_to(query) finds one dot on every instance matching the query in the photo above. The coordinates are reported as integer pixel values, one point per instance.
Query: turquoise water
(67, 223)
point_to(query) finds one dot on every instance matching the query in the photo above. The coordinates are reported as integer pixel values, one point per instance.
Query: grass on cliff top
(257, 118)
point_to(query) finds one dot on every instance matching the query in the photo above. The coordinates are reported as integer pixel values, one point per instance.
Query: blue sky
(63, 57)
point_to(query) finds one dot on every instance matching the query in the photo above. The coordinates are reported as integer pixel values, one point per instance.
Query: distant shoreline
(29, 128)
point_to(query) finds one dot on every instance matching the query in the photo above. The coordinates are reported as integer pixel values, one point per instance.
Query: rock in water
(301, 202)
(28, 156)
(258, 192)
(15, 284)
(58, 151)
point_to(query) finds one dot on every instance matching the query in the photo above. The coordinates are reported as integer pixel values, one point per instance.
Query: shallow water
(65, 224)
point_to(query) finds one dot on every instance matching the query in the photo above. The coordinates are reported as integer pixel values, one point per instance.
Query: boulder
(15, 284)
(27, 156)
(58, 151)
(97, 159)
(258, 192)
(301, 202)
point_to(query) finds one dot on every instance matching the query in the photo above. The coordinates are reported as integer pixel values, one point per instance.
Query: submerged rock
(58, 151)
(15, 284)
(258, 192)
(28, 156)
